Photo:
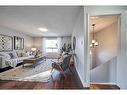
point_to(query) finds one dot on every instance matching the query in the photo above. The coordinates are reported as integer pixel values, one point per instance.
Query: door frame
(88, 34)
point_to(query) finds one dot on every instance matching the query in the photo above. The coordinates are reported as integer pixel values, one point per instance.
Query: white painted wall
(105, 73)
(66, 39)
(107, 48)
(100, 74)
(37, 43)
(28, 40)
(80, 62)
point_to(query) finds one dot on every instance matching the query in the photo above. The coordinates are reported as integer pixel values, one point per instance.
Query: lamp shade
(33, 49)
(96, 43)
(93, 41)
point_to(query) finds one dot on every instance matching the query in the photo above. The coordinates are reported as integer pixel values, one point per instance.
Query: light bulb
(93, 41)
(96, 43)
(91, 45)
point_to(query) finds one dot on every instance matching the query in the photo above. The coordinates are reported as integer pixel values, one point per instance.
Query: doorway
(103, 38)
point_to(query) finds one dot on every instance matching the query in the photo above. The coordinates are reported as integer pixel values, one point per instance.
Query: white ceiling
(102, 22)
(59, 20)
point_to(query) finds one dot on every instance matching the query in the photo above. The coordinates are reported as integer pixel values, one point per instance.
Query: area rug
(41, 72)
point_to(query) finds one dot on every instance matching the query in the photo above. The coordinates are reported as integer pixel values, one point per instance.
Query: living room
(34, 35)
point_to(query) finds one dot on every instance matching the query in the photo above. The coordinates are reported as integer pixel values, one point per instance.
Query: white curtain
(59, 44)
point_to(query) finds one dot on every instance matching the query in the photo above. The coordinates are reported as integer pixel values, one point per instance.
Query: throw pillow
(6, 55)
(11, 55)
(19, 54)
(15, 55)
(24, 54)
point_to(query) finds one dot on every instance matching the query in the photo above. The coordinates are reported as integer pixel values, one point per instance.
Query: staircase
(104, 73)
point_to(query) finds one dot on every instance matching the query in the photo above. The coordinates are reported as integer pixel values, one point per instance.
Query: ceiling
(59, 20)
(102, 22)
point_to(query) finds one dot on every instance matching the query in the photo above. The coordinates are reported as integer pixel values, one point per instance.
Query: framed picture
(6, 43)
(18, 43)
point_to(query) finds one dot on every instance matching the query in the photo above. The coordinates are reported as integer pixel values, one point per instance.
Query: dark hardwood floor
(59, 82)
(104, 86)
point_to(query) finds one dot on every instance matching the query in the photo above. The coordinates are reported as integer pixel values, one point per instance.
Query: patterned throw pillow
(11, 55)
(19, 54)
(6, 55)
(15, 55)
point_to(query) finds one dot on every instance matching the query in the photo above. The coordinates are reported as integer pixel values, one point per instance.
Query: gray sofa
(12, 58)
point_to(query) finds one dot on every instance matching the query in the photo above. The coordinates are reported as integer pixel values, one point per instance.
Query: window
(51, 45)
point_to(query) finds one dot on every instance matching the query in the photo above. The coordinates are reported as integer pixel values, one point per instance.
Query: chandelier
(93, 42)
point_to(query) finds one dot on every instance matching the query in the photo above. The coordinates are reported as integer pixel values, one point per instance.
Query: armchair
(62, 66)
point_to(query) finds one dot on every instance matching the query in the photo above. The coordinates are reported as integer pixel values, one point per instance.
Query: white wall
(28, 41)
(78, 32)
(66, 39)
(107, 48)
(100, 74)
(37, 43)
(105, 73)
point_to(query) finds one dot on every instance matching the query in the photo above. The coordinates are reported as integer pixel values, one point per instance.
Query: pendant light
(93, 42)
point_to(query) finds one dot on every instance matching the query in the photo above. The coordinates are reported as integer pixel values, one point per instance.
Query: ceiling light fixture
(93, 42)
(43, 29)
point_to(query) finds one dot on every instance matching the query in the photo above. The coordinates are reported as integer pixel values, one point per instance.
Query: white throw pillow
(6, 55)
(15, 55)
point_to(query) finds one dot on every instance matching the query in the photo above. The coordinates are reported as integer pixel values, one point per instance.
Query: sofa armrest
(0, 59)
(2, 62)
